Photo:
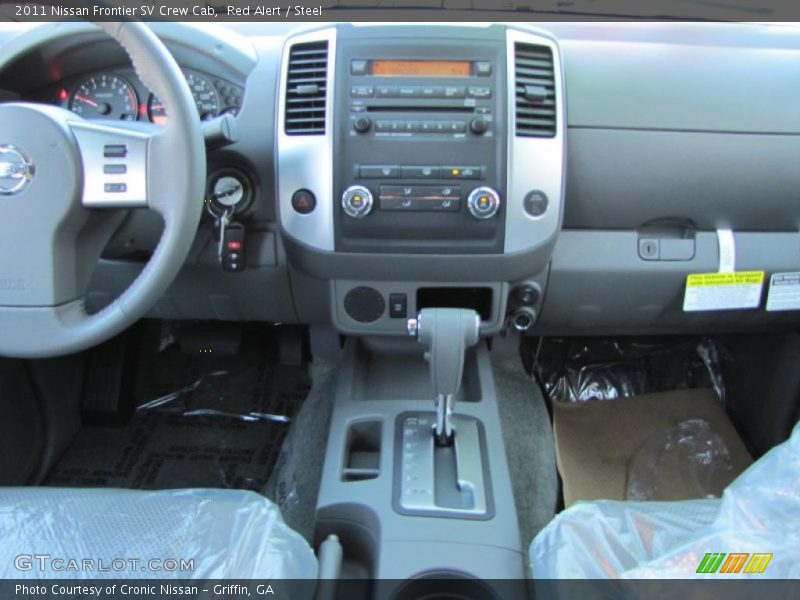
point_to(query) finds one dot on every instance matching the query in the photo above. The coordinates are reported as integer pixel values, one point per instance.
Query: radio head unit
(419, 159)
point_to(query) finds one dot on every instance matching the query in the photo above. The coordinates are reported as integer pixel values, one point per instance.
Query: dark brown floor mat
(219, 423)
(596, 442)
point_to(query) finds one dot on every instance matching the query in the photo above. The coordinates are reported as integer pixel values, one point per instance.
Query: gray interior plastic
(379, 380)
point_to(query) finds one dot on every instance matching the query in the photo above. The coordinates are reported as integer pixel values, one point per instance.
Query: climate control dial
(483, 202)
(357, 201)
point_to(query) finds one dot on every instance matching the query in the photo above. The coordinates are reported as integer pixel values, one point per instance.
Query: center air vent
(534, 80)
(306, 88)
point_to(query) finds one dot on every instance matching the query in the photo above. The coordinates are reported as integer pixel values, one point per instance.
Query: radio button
(386, 91)
(408, 91)
(358, 67)
(431, 92)
(458, 127)
(454, 92)
(479, 125)
(362, 91)
(479, 92)
(483, 68)
(379, 171)
(419, 172)
(383, 126)
(362, 124)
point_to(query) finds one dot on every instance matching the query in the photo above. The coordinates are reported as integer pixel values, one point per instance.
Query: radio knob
(478, 125)
(362, 124)
(357, 201)
(483, 203)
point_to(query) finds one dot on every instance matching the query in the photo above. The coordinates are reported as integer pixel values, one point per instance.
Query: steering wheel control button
(535, 203)
(304, 202)
(115, 151)
(357, 201)
(483, 203)
(364, 304)
(16, 170)
(115, 188)
(115, 169)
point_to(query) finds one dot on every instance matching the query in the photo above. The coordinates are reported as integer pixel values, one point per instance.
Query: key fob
(232, 255)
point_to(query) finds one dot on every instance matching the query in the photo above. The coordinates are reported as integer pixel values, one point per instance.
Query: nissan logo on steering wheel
(16, 170)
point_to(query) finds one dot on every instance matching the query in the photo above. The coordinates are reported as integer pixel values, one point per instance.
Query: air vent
(534, 80)
(306, 87)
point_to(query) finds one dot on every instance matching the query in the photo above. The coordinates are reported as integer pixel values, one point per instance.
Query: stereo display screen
(421, 68)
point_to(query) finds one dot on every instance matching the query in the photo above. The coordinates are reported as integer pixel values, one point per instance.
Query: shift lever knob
(446, 333)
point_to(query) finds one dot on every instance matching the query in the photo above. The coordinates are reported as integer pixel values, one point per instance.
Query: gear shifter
(447, 333)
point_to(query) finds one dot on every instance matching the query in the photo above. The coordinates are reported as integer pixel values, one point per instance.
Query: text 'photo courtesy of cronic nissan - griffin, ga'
(420, 299)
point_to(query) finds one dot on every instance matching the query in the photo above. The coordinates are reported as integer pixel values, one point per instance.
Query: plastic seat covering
(758, 513)
(229, 534)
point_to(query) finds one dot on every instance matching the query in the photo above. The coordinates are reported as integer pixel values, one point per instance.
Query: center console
(420, 180)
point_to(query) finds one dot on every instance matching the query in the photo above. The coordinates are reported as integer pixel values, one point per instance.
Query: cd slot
(422, 109)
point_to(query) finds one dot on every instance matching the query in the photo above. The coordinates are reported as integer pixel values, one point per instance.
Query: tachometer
(203, 92)
(105, 96)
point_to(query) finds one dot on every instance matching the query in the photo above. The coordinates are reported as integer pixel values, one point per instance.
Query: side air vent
(534, 80)
(306, 87)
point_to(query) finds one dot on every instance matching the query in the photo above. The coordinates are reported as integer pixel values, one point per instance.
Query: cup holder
(445, 585)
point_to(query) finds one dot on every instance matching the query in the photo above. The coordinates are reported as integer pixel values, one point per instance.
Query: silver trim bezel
(306, 162)
(534, 163)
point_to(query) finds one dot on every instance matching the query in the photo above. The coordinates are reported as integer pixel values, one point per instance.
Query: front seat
(181, 534)
(751, 531)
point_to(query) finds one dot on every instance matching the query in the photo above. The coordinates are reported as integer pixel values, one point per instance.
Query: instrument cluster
(121, 96)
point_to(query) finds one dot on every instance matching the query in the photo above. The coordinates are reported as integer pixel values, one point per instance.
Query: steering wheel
(63, 181)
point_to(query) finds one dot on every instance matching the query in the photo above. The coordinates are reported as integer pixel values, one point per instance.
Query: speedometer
(205, 98)
(105, 96)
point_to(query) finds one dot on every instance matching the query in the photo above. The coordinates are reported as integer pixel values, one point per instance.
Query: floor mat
(598, 443)
(209, 422)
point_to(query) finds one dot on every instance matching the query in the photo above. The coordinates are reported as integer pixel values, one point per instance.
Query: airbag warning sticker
(784, 292)
(723, 291)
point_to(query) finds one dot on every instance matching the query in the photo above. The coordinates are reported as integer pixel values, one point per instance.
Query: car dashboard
(558, 178)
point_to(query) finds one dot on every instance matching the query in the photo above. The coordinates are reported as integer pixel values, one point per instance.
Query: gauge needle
(86, 100)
